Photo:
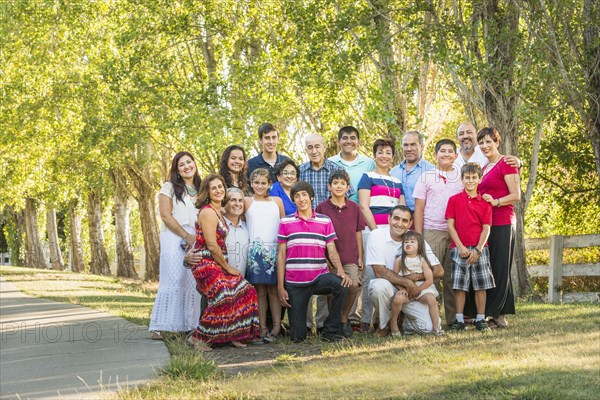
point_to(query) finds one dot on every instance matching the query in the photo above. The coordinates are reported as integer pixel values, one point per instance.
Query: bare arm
(462, 249)
(513, 161)
(397, 265)
(514, 192)
(364, 199)
(427, 274)
(281, 257)
(359, 246)
(334, 257)
(279, 203)
(402, 200)
(382, 272)
(247, 202)
(209, 221)
(438, 271)
(165, 206)
(474, 256)
(419, 215)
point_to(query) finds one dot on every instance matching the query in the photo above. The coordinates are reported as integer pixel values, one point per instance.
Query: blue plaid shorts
(479, 273)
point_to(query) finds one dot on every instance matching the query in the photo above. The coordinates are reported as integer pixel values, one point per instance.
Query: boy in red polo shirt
(348, 222)
(469, 220)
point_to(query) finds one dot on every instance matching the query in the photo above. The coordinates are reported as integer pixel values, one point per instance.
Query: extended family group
(345, 244)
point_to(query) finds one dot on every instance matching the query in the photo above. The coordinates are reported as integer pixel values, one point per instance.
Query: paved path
(51, 350)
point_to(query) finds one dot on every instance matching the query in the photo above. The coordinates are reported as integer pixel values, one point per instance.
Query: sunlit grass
(549, 352)
(129, 299)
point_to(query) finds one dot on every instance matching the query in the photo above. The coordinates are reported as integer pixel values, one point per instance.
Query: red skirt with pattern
(232, 312)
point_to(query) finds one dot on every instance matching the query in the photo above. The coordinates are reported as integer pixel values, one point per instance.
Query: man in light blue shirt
(412, 167)
(349, 159)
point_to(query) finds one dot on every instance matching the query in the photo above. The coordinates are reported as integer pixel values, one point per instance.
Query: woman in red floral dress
(232, 313)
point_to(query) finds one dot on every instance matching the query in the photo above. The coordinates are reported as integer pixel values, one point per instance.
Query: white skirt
(177, 304)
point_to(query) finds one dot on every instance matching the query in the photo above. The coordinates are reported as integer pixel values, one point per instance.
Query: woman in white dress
(177, 304)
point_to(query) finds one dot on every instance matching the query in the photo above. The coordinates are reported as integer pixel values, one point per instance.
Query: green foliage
(94, 87)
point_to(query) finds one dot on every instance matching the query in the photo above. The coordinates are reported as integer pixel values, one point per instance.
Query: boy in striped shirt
(302, 267)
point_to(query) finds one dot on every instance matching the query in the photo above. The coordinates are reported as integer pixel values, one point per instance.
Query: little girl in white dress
(411, 259)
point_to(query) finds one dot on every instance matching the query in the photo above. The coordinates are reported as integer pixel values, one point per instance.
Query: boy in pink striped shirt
(302, 268)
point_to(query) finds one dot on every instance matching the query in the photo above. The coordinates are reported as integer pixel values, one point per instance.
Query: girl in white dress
(411, 259)
(177, 304)
(263, 213)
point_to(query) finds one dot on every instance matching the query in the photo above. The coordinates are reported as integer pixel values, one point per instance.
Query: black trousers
(300, 295)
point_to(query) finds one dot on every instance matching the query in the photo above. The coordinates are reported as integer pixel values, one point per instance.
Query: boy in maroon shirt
(469, 220)
(348, 223)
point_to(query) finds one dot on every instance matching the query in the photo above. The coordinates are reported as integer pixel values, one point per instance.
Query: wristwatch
(478, 251)
(497, 202)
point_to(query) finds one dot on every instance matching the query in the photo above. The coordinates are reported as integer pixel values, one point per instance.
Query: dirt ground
(232, 361)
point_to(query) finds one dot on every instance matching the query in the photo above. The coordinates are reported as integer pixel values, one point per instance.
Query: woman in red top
(499, 187)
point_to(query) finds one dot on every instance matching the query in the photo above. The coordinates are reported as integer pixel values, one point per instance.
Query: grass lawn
(549, 352)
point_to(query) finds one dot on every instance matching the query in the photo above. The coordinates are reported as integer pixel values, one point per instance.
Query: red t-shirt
(347, 220)
(493, 183)
(469, 214)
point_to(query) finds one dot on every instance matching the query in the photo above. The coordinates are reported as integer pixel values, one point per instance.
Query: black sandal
(494, 324)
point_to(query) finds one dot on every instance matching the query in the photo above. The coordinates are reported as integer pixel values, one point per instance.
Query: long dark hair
(175, 178)
(225, 173)
(420, 251)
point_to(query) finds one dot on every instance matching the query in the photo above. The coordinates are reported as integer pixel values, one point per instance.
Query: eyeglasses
(286, 173)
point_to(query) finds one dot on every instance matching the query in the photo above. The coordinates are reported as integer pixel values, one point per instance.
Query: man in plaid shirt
(316, 172)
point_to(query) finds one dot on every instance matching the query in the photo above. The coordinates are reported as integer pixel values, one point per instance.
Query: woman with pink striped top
(378, 191)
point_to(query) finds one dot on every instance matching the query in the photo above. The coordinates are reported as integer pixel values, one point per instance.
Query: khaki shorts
(354, 273)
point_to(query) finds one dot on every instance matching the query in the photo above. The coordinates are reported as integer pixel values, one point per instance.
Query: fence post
(555, 272)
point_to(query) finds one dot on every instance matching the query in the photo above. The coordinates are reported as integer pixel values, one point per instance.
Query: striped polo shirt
(306, 241)
(385, 194)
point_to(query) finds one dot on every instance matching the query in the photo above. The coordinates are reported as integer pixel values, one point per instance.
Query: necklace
(392, 198)
(491, 165)
(191, 190)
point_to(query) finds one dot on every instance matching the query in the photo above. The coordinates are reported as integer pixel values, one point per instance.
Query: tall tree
(481, 45)
(145, 194)
(125, 266)
(99, 261)
(56, 258)
(571, 35)
(75, 245)
(34, 254)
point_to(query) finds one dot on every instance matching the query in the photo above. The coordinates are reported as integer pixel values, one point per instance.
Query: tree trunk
(99, 262)
(15, 221)
(75, 245)
(34, 254)
(501, 27)
(591, 60)
(125, 266)
(145, 194)
(56, 258)
(386, 67)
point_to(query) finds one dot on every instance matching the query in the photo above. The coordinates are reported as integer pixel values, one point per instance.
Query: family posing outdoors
(373, 246)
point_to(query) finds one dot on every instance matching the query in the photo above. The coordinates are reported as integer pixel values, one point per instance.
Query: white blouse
(185, 212)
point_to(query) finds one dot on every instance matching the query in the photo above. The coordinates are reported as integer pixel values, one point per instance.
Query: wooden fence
(556, 270)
